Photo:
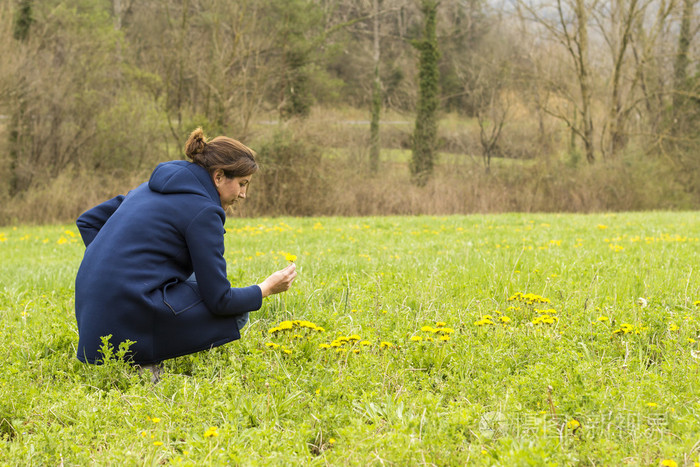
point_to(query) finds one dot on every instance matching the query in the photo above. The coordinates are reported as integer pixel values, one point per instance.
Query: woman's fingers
(279, 281)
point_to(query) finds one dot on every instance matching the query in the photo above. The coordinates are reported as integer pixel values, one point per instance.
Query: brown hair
(233, 157)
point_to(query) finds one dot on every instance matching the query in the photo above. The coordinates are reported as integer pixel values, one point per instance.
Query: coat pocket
(179, 296)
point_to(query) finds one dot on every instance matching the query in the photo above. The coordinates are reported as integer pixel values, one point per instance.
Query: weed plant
(515, 339)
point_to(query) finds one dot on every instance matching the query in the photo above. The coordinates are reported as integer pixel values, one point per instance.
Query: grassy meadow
(514, 339)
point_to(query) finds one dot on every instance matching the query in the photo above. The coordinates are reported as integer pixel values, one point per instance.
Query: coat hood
(183, 177)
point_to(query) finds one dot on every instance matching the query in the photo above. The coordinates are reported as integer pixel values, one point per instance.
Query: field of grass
(518, 339)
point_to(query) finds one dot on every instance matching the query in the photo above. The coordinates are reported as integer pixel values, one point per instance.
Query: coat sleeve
(205, 241)
(90, 222)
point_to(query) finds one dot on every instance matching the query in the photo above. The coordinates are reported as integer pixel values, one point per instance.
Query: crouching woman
(154, 271)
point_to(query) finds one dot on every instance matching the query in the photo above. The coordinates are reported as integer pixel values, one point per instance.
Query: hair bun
(195, 143)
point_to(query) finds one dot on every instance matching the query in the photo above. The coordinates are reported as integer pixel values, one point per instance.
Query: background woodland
(356, 107)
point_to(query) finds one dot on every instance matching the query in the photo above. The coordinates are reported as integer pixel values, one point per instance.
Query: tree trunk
(615, 114)
(425, 133)
(584, 80)
(374, 140)
(680, 65)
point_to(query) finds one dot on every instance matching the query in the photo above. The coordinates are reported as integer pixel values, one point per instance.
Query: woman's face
(230, 189)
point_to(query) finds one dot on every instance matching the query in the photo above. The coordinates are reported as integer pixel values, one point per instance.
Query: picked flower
(290, 257)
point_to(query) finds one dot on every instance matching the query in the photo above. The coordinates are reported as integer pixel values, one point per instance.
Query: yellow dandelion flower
(573, 424)
(603, 318)
(157, 443)
(290, 257)
(669, 463)
(691, 340)
(444, 338)
(331, 441)
(365, 343)
(211, 432)
(652, 404)
(354, 337)
(324, 346)
(416, 338)
(287, 351)
(385, 345)
(427, 329)
(504, 319)
(696, 303)
(673, 327)
(271, 345)
(440, 324)
(155, 420)
(515, 296)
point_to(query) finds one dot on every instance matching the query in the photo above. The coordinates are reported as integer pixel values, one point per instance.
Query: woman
(144, 250)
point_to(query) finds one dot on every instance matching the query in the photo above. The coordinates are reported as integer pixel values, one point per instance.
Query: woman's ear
(218, 176)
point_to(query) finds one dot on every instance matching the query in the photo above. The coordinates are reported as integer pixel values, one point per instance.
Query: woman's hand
(279, 281)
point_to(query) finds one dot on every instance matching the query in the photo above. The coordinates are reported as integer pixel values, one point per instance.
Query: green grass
(504, 394)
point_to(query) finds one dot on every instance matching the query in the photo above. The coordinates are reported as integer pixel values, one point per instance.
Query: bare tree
(376, 100)
(649, 61)
(682, 60)
(566, 22)
(491, 113)
(616, 23)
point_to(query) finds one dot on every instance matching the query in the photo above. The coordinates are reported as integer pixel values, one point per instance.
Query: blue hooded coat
(140, 251)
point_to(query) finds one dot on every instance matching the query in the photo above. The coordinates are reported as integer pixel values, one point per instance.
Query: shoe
(156, 370)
